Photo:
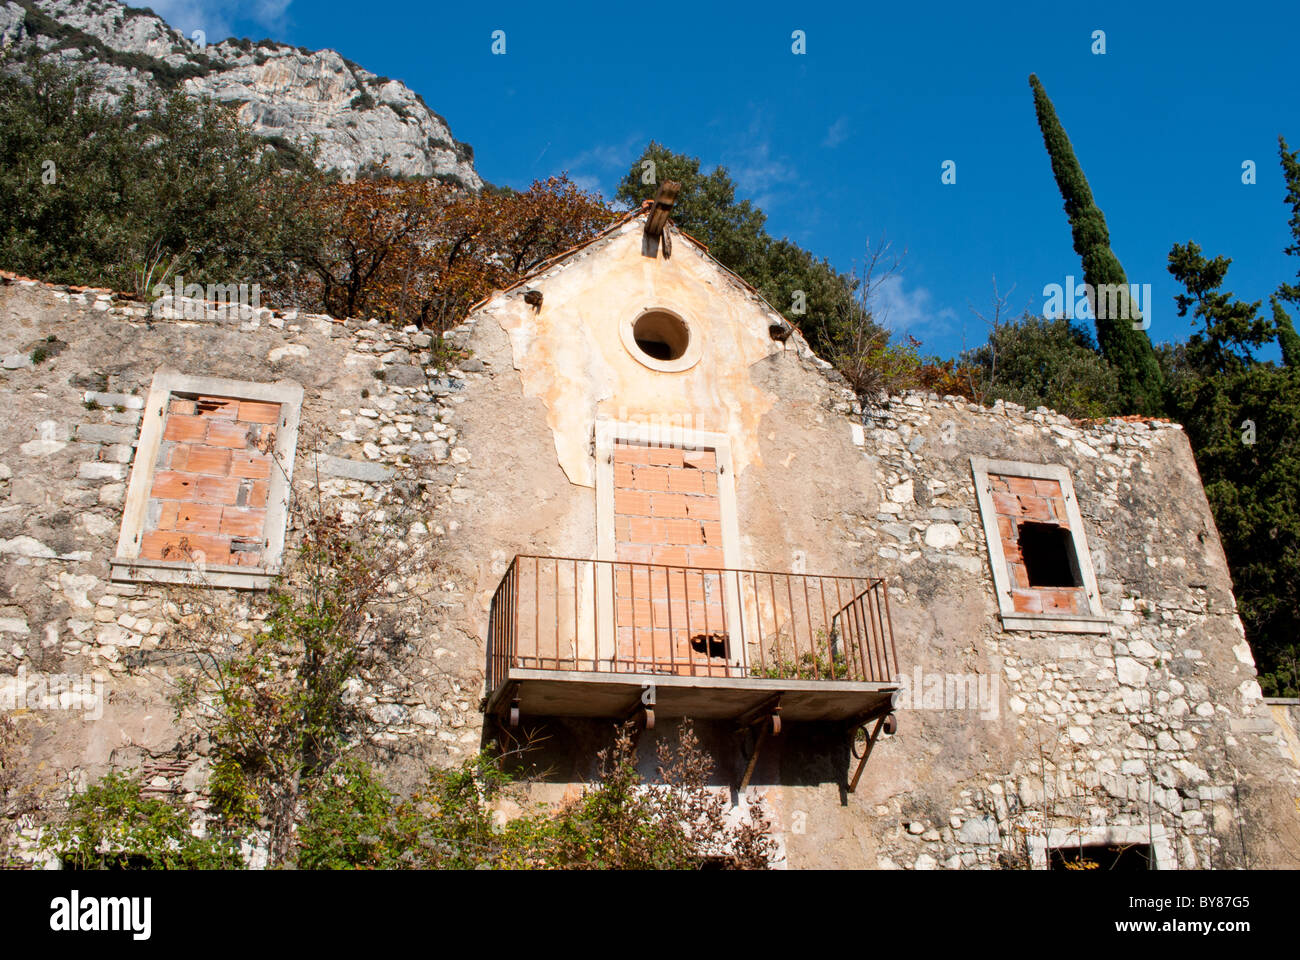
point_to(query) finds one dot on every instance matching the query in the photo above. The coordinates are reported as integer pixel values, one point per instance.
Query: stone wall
(1158, 727)
(379, 436)
(1152, 732)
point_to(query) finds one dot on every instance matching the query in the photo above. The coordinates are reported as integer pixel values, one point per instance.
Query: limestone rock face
(359, 120)
(11, 23)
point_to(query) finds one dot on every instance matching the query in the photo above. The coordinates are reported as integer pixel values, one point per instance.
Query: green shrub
(112, 827)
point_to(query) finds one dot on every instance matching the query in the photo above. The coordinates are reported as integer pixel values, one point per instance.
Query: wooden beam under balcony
(590, 693)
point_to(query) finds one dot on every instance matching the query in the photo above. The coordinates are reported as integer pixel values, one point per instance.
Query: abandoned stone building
(925, 634)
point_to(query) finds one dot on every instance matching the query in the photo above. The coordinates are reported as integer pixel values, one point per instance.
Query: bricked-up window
(1037, 547)
(667, 512)
(210, 481)
(666, 515)
(666, 505)
(209, 487)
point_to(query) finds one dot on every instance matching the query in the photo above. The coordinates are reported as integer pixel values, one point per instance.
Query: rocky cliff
(360, 121)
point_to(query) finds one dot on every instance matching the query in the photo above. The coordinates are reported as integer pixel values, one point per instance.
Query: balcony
(613, 639)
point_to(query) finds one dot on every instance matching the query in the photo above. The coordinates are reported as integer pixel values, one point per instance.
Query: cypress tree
(1127, 349)
(1287, 338)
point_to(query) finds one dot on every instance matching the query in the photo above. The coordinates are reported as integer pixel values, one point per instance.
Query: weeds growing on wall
(620, 822)
(112, 826)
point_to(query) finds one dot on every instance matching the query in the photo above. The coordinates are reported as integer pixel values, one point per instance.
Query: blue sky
(845, 143)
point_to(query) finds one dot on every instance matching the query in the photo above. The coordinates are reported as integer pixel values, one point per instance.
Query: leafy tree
(1128, 350)
(416, 251)
(277, 701)
(1231, 329)
(1040, 362)
(276, 712)
(372, 225)
(354, 822)
(676, 824)
(132, 194)
(112, 827)
(1287, 339)
(350, 823)
(831, 317)
(706, 207)
(526, 228)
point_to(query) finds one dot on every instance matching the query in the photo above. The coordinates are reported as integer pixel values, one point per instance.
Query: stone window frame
(1095, 621)
(607, 434)
(1156, 836)
(126, 564)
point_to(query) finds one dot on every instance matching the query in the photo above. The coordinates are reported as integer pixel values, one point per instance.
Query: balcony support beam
(884, 718)
(508, 704)
(770, 709)
(645, 704)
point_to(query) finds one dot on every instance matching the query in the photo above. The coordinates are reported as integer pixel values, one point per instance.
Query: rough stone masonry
(1152, 732)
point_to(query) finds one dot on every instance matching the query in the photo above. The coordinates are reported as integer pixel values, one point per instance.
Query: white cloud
(603, 164)
(610, 155)
(837, 133)
(214, 17)
(584, 182)
(758, 173)
(911, 311)
(607, 155)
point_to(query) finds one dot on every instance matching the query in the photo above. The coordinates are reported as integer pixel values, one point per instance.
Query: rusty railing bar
(678, 566)
(862, 627)
(830, 629)
(740, 611)
(812, 634)
(889, 619)
(690, 650)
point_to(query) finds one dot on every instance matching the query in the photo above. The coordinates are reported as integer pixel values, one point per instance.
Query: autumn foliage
(421, 252)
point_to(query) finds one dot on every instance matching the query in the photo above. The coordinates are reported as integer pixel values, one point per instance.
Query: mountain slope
(361, 121)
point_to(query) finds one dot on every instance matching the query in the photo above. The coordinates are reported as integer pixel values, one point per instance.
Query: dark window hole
(1048, 552)
(712, 644)
(1121, 857)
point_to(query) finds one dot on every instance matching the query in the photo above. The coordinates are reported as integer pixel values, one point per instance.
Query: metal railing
(565, 613)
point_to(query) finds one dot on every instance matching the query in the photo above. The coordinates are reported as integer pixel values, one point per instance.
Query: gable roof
(617, 226)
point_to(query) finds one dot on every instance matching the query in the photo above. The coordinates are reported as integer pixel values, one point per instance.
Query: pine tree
(1128, 349)
(1287, 338)
(1242, 417)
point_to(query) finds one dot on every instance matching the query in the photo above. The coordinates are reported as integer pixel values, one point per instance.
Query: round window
(661, 340)
(661, 336)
